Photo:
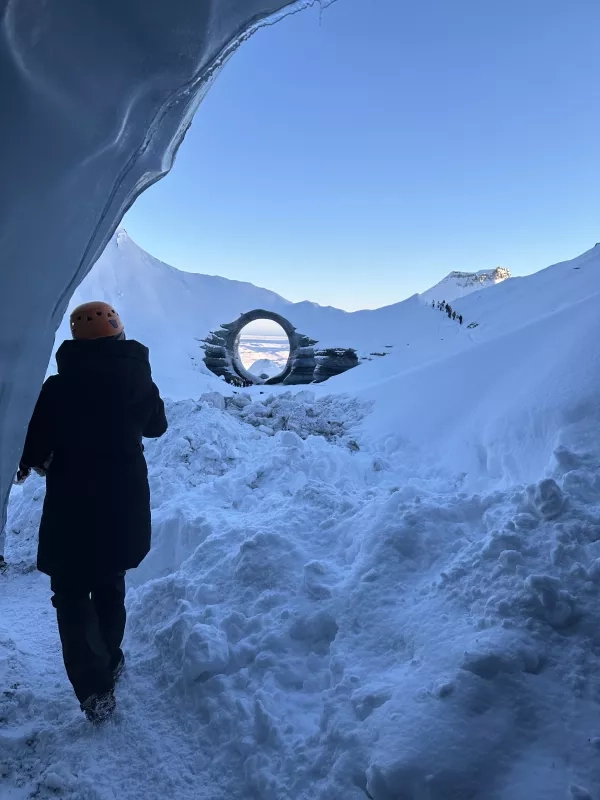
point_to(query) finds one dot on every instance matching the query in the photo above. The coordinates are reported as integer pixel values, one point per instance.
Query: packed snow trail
(319, 619)
(47, 747)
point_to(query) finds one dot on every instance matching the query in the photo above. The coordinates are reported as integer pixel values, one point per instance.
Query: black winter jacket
(91, 418)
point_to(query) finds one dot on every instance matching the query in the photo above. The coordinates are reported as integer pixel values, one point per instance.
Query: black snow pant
(91, 623)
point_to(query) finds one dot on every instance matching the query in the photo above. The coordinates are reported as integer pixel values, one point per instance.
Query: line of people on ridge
(444, 306)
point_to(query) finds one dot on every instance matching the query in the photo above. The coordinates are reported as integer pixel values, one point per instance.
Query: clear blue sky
(356, 155)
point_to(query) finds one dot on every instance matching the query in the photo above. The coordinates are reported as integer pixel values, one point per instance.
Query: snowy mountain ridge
(171, 311)
(459, 284)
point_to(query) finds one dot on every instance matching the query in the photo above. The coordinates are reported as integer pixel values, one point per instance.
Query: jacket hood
(88, 354)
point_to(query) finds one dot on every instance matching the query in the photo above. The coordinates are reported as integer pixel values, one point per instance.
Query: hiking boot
(117, 671)
(99, 707)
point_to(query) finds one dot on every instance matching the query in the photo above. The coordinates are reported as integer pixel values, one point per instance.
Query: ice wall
(96, 96)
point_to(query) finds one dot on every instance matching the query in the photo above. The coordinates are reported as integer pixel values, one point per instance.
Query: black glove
(22, 474)
(24, 471)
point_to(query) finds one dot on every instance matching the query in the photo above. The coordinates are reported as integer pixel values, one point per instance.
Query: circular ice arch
(233, 345)
(222, 355)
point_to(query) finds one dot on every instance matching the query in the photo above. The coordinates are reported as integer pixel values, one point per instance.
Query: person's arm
(155, 418)
(37, 452)
(39, 443)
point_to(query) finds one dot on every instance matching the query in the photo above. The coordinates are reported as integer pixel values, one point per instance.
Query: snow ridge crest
(483, 276)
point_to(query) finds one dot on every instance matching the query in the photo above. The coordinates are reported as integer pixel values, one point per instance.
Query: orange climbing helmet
(96, 320)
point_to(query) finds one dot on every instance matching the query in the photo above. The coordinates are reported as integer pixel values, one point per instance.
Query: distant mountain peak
(483, 276)
(266, 366)
(458, 284)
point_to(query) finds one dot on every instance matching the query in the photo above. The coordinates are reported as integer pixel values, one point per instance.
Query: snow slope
(387, 587)
(264, 366)
(168, 310)
(460, 284)
(506, 384)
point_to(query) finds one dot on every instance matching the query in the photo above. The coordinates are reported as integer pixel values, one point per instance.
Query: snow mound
(264, 366)
(341, 623)
(459, 284)
(301, 413)
(322, 621)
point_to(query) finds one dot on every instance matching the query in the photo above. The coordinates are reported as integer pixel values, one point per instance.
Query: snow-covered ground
(386, 586)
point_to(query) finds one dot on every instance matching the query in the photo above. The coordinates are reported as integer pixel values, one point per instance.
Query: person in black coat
(85, 436)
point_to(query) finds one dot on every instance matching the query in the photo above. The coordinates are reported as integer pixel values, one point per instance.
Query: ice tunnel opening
(263, 349)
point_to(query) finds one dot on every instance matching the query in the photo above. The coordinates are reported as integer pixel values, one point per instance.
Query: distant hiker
(85, 436)
(433, 303)
(460, 318)
(454, 315)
